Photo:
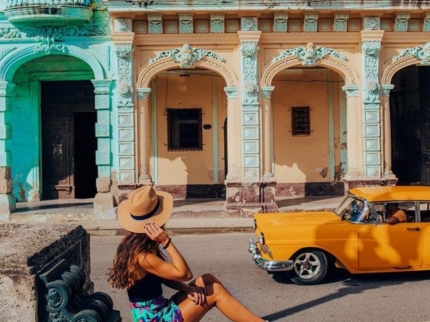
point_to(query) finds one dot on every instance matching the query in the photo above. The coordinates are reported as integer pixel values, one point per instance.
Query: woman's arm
(177, 270)
(194, 293)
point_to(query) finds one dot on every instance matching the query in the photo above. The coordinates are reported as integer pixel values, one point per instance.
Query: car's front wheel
(310, 267)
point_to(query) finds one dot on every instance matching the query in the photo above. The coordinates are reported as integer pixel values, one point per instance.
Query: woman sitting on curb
(140, 267)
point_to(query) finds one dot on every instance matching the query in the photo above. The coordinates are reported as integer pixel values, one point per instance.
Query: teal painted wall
(25, 118)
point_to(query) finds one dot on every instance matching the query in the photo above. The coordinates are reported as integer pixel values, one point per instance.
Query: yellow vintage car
(355, 236)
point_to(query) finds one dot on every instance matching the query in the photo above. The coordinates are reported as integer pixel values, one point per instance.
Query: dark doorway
(68, 140)
(225, 149)
(410, 120)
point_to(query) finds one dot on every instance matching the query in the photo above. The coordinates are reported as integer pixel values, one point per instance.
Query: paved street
(390, 298)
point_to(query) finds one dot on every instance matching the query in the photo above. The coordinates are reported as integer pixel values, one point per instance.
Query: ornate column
(388, 173)
(7, 200)
(268, 133)
(103, 201)
(123, 40)
(143, 111)
(371, 46)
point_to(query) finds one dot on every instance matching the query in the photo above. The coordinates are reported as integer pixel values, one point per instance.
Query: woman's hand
(156, 233)
(197, 294)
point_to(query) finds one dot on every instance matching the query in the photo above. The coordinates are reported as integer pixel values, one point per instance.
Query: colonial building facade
(247, 101)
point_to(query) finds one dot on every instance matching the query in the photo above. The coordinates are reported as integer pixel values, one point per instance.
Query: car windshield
(353, 210)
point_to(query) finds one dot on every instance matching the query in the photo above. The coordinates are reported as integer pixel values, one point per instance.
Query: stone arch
(393, 66)
(16, 59)
(152, 69)
(338, 65)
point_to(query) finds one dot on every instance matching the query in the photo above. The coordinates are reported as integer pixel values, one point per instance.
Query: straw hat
(144, 205)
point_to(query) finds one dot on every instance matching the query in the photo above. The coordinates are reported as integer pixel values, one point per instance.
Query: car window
(353, 210)
(424, 207)
(407, 206)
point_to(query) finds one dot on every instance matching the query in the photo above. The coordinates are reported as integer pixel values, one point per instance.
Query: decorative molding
(249, 24)
(155, 23)
(186, 56)
(351, 90)
(386, 89)
(280, 22)
(311, 22)
(309, 55)
(341, 22)
(186, 23)
(143, 93)
(217, 23)
(232, 92)
(6, 50)
(401, 22)
(422, 53)
(372, 23)
(266, 91)
(122, 25)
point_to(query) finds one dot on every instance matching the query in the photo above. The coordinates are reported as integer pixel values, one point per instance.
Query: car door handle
(413, 228)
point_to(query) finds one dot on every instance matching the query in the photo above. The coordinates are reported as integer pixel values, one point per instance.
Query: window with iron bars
(184, 129)
(300, 119)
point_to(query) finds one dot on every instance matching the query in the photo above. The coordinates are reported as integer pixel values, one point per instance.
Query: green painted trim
(215, 129)
(331, 126)
(154, 133)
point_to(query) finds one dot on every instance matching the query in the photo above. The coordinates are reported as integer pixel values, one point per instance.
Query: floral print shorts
(156, 310)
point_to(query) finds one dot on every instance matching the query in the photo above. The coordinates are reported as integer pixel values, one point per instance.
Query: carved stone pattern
(249, 48)
(122, 25)
(124, 73)
(280, 22)
(124, 89)
(186, 56)
(185, 23)
(102, 54)
(232, 92)
(10, 33)
(401, 23)
(155, 24)
(267, 91)
(102, 102)
(249, 24)
(309, 55)
(372, 23)
(371, 47)
(153, 69)
(123, 50)
(426, 26)
(217, 23)
(341, 22)
(311, 23)
(422, 53)
(351, 90)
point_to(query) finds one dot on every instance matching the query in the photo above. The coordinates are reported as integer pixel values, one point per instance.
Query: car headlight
(261, 239)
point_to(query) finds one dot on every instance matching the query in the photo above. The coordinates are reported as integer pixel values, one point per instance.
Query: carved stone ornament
(186, 56)
(310, 54)
(422, 53)
(371, 47)
(249, 48)
(123, 50)
(124, 89)
(372, 85)
(249, 24)
(372, 23)
(250, 87)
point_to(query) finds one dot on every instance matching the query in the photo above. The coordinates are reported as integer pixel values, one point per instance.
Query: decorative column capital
(232, 92)
(143, 93)
(386, 89)
(266, 91)
(102, 86)
(351, 90)
(124, 50)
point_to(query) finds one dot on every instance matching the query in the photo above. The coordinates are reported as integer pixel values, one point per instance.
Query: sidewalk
(189, 216)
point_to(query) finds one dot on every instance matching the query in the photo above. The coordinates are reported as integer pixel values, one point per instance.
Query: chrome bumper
(268, 265)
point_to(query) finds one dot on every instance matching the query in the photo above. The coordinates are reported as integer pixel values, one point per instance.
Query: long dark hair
(123, 274)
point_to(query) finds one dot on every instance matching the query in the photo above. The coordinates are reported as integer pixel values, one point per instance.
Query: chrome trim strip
(272, 265)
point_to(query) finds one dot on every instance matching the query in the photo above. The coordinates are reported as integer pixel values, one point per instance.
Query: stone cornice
(226, 39)
(320, 37)
(249, 35)
(372, 35)
(121, 38)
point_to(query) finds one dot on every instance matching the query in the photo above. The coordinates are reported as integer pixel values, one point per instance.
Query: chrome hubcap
(307, 265)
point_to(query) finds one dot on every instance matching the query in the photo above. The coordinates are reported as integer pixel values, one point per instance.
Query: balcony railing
(48, 12)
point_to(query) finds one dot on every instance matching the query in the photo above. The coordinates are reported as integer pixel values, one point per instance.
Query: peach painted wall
(304, 158)
(198, 91)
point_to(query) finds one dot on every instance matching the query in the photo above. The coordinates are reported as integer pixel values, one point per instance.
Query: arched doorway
(53, 119)
(410, 125)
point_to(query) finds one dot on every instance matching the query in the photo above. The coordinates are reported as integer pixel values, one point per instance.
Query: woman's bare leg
(216, 295)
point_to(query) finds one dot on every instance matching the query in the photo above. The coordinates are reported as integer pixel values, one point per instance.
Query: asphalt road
(360, 298)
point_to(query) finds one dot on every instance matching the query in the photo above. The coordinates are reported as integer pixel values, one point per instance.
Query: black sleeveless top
(146, 289)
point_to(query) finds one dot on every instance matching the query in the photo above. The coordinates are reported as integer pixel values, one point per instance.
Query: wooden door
(58, 167)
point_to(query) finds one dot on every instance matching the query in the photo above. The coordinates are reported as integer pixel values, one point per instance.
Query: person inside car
(395, 215)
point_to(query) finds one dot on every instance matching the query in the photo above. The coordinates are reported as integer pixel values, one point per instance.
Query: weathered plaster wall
(200, 91)
(305, 158)
(25, 252)
(26, 140)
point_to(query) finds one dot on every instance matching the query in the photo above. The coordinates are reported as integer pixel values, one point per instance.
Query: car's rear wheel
(310, 267)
